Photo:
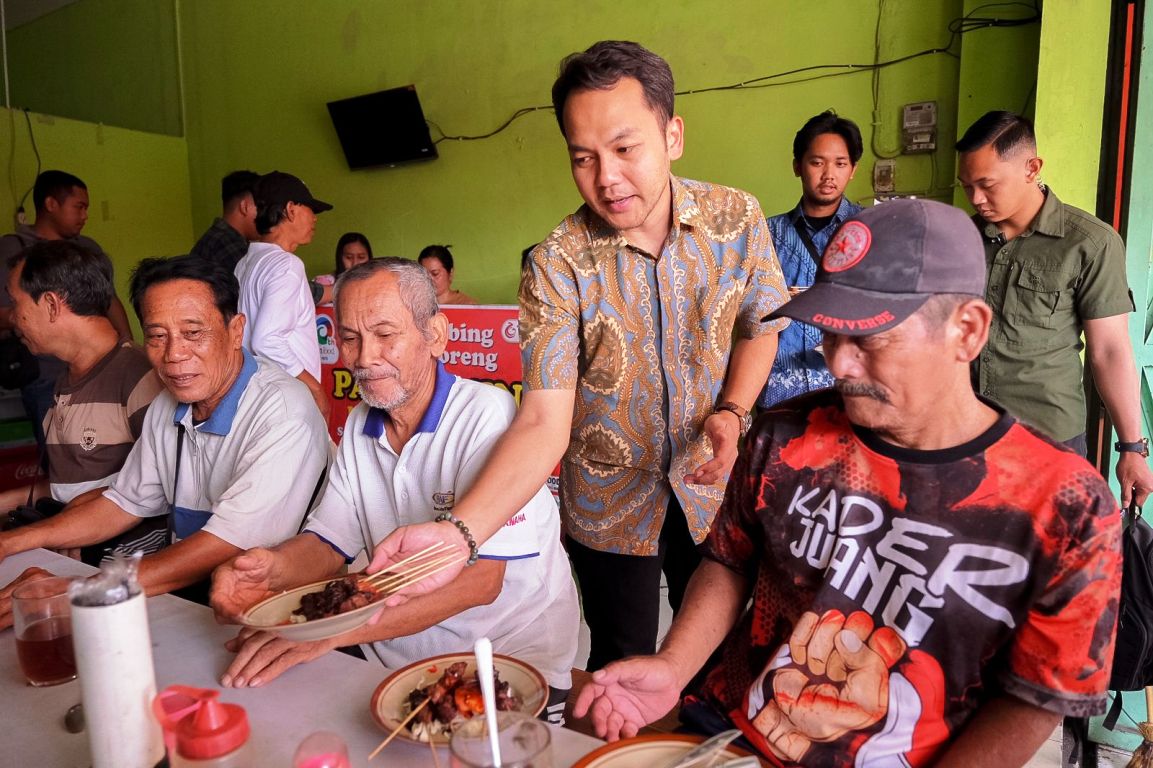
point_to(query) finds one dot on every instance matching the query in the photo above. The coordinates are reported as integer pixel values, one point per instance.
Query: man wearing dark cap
(927, 580)
(274, 292)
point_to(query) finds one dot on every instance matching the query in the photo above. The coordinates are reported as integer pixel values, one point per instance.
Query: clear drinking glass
(525, 742)
(43, 620)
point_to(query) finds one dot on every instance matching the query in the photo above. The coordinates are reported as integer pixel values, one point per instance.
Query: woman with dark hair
(437, 261)
(352, 249)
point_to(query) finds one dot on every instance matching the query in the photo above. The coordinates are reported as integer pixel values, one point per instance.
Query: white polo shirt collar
(374, 421)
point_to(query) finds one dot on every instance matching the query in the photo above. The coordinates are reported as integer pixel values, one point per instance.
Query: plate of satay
(425, 701)
(331, 607)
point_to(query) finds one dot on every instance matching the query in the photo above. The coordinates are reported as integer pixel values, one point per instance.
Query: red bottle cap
(198, 725)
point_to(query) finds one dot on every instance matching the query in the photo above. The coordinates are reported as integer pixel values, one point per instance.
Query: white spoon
(483, 650)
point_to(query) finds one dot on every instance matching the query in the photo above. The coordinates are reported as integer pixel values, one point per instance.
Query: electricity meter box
(919, 127)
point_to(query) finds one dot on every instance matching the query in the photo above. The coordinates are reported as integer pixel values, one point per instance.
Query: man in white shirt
(409, 451)
(233, 447)
(274, 292)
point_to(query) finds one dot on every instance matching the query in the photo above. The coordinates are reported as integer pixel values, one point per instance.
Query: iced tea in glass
(41, 614)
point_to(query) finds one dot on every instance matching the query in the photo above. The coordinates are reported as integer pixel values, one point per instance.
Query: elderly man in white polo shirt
(233, 447)
(409, 450)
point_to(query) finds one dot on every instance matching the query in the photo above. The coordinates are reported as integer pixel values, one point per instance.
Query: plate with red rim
(652, 749)
(390, 699)
(273, 614)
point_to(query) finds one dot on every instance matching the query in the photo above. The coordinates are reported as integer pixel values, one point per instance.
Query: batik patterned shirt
(894, 592)
(644, 340)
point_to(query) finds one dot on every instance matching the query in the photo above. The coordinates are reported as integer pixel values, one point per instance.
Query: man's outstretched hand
(723, 429)
(242, 582)
(628, 694)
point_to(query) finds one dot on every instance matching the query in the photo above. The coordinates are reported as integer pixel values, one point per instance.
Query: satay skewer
(391, 582)
(429, 550)
(399, 728)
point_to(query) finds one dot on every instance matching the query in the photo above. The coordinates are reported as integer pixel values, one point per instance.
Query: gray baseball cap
(885, 262)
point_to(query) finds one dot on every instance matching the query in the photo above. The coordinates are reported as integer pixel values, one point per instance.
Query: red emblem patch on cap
(847, 247)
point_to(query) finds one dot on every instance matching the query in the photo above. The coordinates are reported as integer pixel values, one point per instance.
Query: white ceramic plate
(272, 615)
(389, 700)
(647, 751)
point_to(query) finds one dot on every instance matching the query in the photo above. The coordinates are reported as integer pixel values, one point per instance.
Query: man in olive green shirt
(1054, 272)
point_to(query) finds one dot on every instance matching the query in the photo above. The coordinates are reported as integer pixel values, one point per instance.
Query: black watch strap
(1141, 447)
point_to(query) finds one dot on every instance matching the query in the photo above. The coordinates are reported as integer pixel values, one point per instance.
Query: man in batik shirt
(927, 579)
(643, 349)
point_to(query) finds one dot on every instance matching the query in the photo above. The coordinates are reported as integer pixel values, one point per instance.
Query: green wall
(998, 70)
(137, 183)
(1071, 95)
(103, 61)
(258, 75)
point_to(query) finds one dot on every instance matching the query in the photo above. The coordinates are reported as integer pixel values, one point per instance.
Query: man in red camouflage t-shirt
(901, 573)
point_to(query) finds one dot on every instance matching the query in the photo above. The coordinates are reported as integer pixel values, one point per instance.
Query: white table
(331, 693)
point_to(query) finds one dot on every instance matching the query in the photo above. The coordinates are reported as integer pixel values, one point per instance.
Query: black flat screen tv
(384, 128)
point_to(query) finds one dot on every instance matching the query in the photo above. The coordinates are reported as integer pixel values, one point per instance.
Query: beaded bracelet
(472, 547)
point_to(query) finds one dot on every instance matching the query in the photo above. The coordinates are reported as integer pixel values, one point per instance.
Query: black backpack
(1133, 653)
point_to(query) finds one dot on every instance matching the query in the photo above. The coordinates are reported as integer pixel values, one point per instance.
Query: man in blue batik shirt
(825, 155)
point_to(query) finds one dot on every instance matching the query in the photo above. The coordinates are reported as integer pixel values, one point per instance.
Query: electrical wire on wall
(35, 151)
(7, 104)
(970, 22)
(875, 123)
(12, 157)
(956, 28)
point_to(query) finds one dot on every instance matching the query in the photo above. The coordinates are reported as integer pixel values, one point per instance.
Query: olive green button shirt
(1067, 267)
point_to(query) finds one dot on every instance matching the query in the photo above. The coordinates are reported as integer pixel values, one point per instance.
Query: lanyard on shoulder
(175, 481)
(803, 233)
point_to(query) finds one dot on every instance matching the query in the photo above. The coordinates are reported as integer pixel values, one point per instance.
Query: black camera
(26, 514)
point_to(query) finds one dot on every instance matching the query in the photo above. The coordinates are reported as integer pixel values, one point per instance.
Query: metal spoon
(740, 762)
(74, 719)
(706, 750)
(483, 650)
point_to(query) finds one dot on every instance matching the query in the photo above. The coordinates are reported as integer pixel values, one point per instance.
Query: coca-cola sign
(27, 471)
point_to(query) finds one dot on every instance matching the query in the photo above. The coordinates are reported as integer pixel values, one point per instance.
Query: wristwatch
(1141, 447)
(742, 414)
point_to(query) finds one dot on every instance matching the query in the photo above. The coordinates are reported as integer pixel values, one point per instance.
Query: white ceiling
(18, 12)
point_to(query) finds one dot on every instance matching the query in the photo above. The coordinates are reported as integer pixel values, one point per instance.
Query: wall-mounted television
(383, 128)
